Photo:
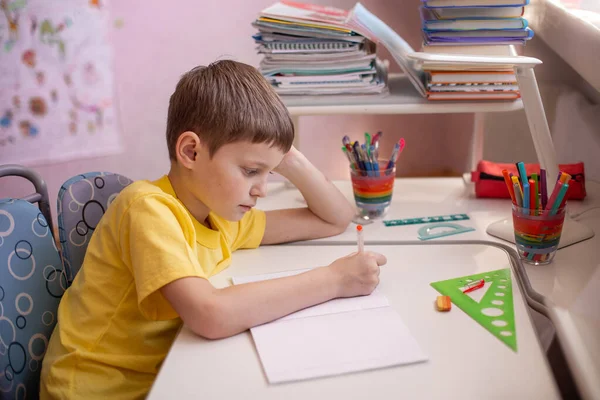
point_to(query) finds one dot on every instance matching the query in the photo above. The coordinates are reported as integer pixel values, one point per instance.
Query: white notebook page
(336, 337)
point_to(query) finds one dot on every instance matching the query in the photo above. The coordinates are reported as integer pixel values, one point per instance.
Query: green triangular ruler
(495, 311)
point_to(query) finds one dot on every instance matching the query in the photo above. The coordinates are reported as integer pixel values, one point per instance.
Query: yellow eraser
(443, 303)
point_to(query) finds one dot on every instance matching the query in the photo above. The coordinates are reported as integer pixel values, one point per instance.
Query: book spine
(307, 46)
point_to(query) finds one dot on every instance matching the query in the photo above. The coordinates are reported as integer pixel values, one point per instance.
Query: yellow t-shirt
(114, 326)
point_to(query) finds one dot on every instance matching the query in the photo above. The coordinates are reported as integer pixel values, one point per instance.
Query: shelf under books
(403, 98)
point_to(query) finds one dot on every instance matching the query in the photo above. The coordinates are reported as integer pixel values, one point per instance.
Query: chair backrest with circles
(82, 201)
(32, 281)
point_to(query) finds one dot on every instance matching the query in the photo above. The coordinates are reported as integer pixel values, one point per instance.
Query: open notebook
(333, 338)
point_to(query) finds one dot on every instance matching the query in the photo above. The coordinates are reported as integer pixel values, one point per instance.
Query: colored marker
(375, 142)
(357, 155)
(564, 177)
(390, 164)
(402, 145)
(522, 173)
(509, 185)
(543, 188)
(376, 138)
(526, 196)
(559, 198)
(553, 197)
(564, 200)
(374, 162)
(349, 157)
(536, 191)
(518, 191)
(376, 154)
(532, 197)
(367, 160)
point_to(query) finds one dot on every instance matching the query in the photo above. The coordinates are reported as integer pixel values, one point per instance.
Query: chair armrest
(41, 195)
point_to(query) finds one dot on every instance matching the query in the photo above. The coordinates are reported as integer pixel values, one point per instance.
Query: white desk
(466, 361)
(570, 285)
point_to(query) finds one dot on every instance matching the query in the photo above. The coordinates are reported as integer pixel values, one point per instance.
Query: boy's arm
(328, 212)
(218, 313)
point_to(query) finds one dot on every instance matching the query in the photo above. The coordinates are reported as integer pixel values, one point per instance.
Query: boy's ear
(187, 147)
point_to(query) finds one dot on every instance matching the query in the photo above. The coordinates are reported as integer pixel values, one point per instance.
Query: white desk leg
(573, 231)
(538, 124)
(477, 138)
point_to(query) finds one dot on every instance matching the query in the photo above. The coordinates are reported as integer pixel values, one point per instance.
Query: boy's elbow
(337, 228)
(341, 227)
(211, 333)
(212, 322)
(345, 218)
(208, 332)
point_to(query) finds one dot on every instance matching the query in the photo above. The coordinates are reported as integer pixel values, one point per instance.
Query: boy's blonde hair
(227, 102)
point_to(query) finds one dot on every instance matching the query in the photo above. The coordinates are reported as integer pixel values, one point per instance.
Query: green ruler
(426, 220)
(495, 311)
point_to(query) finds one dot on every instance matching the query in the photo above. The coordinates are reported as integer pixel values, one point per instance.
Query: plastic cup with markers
(372, 178)
(537, 234)
(538, 219)
(373, 192)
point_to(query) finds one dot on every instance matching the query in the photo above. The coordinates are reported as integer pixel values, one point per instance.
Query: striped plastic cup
(373, 191)
(537, 233)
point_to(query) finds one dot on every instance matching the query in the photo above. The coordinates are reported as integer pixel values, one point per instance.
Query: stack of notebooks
(447, 22)
(471, 82)
(309, 49)
(472, 27)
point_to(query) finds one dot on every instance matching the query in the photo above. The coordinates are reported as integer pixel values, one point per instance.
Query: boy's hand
(289, 161)
(328, 213)
(357, 274)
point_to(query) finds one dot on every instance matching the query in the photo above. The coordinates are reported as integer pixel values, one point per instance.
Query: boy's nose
(259, 190)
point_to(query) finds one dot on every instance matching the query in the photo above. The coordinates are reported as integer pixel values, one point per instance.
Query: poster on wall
(57, 93)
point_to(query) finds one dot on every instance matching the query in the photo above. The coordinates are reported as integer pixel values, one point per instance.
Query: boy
(147, 264)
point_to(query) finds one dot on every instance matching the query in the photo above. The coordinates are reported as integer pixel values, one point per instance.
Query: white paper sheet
(333, 338)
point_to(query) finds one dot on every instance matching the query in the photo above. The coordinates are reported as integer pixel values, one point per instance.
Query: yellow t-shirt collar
(204, 236)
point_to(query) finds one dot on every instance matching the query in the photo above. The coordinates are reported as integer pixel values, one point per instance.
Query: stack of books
(447, 22)
(309, 49)
(472, 27)
(470, 82)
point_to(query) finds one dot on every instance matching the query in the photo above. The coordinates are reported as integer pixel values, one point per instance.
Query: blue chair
(82, 201)
(32, 281)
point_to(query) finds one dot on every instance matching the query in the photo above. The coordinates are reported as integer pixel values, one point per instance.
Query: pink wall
(158, 42)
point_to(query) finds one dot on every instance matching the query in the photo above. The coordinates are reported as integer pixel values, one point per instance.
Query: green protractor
(495, 311)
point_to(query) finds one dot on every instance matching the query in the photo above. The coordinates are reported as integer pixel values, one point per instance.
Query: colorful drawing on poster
(57, 98)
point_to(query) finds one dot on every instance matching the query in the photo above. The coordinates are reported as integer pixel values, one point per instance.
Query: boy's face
(231, 182)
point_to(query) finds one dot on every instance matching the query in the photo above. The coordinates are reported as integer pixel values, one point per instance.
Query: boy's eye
(250, 171)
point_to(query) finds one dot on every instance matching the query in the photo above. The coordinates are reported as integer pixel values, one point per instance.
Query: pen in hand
(360, 239)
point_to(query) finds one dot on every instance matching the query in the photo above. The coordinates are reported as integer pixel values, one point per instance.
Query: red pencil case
(489, 181)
